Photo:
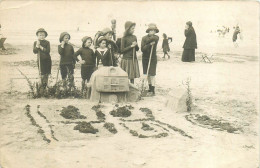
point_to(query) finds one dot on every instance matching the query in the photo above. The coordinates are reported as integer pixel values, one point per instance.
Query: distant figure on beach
(165, 46)
(190, 43)
(234, 38)
(2, 40)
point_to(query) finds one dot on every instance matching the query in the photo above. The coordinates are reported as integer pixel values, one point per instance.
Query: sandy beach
(225, 90)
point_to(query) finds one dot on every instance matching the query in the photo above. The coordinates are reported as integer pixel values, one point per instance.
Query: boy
(67, 62)
(102, 53)
(88, 60)
(111, 45)
(146, 45)
(41, 47)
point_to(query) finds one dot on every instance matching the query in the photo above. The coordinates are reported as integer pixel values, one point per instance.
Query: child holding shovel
(149, 57)
(129, 47)
(41, 47)
(88, 60)
(67, 62)
(111, 45)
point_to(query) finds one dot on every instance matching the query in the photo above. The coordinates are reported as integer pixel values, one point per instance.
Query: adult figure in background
(190, 43)
(2, 40)
(235, 34)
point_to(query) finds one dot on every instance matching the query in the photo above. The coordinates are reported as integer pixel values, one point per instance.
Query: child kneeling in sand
(41, 47)
(67, 62)
(88, 60)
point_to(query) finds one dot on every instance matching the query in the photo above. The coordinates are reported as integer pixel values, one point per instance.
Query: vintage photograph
(129, 84)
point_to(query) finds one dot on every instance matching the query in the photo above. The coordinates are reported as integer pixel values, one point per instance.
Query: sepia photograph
(129, 84)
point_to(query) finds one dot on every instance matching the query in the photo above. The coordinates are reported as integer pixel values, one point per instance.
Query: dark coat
(66, 54)
(126, 48)
(146, 47)
(87, 54)
(191, 41)
(105, 58)
(165, 45)
(45, 53)
(236, 32)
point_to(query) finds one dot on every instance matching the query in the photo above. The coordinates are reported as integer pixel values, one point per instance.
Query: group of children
(105, 50)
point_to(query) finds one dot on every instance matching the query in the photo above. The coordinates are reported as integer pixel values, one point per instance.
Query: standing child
(41, 47)
(111, 45)
(165, 46)
(67, 62)
(88, 60)
(129, 47)
(235, 34)
(147, 42)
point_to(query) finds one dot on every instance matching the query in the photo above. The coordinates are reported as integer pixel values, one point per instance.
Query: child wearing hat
(67, 62)
(129, 47)
(146, 45)
(111, 45)
(41, 47)
(165, 46)
(88, 60)
(102, 53)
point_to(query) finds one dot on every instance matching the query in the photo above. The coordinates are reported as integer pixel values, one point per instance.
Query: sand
(226, 90)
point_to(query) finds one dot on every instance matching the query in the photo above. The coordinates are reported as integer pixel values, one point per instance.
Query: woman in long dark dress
(190, 44)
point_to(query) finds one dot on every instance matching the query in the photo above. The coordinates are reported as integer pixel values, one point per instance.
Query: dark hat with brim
(152, 26)
(62, 36)
(106, 30)
(42, 30)
(100, 39)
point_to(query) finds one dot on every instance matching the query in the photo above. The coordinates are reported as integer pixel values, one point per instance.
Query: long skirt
(153, 65)
(45, 66)
(86, 71)
(131, 69)
(188, 55)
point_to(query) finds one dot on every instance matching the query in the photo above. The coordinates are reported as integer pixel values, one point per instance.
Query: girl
(129, 47)
(88, 60)
(165, 46)
(147, 42)
(67, 62)
(190, 43)
(111, 45)
(41, 47)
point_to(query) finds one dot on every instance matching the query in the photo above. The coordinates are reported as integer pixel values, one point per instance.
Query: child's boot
(150, 88)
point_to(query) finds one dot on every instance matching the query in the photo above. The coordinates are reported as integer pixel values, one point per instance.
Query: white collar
(100, 50)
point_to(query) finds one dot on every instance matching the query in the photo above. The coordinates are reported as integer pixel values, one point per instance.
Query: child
(129, 47)
(88, 60)
(165, 46)
(111, 45)
(67, 62)
(147, 42)
(41, 47)
(102, 53)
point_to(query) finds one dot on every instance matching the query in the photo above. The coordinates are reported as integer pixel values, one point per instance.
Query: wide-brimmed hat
(106, 30)
(189, 23)
(62, 36)
(84, 39)
(152, 26)
(42, 30)
(100, 39)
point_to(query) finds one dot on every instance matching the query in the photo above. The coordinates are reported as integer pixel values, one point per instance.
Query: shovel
(144, 81)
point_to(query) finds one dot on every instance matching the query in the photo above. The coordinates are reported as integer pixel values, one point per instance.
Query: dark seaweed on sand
(71, 112)
(85, 127)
